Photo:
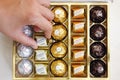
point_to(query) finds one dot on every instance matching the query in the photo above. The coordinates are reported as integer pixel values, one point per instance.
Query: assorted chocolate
(60, 14)
(98, 50)
(78, 41)
(58, 68)
(73, 52)
(28, 31)
(41, 69)
(98, 68)
(78, 55)
(78, 12)
(78, 27)
(97, 32)
(58, 50)
(97, 14)
(24, 51)
(59, 32)
(98, 41)
(41, 55)
(25, 67)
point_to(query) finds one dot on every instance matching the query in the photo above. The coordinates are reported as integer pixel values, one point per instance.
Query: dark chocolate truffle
(97, 32)
(97, 68)
(97, 50)
(97, 14)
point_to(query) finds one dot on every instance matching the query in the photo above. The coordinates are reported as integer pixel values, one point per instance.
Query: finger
(45, 3)
(25, 40)
(43, 24)
(47, 13)
(36, 29)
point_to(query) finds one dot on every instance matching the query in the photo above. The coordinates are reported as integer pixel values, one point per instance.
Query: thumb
(22, 38)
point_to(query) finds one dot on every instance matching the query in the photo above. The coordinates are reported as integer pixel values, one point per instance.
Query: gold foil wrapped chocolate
(78, 12)
(58, 50)
(78, 70)
(78, 55)
(58, 68)
(59, 32)
(78, 41)
(78, 27)
(60, 14)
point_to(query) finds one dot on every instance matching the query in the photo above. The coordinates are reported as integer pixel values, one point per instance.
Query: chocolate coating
(58, 50)
(59, 32)
(98, 50)
(58, 68)
(60, 14)
(97, 32)
(97, 68)
(97, 14)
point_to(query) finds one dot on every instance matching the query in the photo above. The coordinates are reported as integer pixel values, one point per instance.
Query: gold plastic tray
(68, 41)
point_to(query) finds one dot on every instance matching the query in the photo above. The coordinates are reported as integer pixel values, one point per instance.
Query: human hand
(15, 14)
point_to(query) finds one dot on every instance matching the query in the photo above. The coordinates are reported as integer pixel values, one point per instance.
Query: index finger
(44, 25)
(45, 3)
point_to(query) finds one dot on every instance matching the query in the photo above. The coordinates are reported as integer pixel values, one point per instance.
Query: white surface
(6, 47)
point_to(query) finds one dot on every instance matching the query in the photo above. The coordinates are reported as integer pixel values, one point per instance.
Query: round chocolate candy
(58, 50)
(60, 14)
(59, 32)
(97, 68)
(97, 50)
(28, 31)
(25, 67)
(58, 68)
(97, 14)
(24, 51)
(97, 32)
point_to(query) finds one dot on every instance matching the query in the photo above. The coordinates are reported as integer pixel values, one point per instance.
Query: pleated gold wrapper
(59, 32)
(58, 68)
(59, 50)
(60, 14)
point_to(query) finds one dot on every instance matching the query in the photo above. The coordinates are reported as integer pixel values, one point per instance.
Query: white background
(6, 47)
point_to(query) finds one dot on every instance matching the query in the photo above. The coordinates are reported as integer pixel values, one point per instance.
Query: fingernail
(49, 37)
(34, 46)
